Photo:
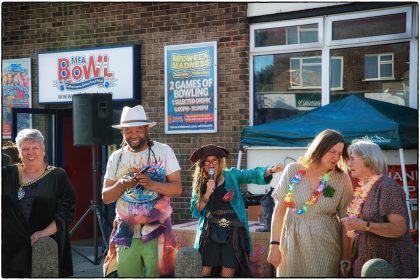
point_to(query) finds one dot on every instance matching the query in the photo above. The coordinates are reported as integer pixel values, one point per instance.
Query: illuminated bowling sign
(112, 70)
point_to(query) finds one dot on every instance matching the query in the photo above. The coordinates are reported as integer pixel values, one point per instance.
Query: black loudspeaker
(92, 119)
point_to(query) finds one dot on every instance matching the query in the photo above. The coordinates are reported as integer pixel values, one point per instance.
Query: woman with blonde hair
(222, 237)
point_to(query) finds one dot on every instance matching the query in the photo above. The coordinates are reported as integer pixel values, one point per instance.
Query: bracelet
(204, 200)
(271, 169)
(367, 227)
(274, 243)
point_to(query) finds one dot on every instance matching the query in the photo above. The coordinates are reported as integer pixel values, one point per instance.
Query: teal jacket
(233, 179)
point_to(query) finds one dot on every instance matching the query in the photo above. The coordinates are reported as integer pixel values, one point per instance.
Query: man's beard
(138, 147)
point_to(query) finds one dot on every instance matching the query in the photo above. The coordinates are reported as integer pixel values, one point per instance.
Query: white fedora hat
(135, 116)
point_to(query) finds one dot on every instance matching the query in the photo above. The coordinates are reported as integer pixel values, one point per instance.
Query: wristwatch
(271, 169)
(367, 226)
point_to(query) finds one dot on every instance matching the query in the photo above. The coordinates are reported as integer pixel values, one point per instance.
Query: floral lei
(323, 187)
(360, 195)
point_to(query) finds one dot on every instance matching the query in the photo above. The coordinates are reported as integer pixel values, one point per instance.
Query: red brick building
(29, 28)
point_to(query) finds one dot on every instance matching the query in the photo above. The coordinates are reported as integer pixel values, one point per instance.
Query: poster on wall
(394, 171)
(16, 92)
(112, 70)
(191, 88)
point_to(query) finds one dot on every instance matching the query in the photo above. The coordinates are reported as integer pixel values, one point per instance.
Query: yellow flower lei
(360, 195)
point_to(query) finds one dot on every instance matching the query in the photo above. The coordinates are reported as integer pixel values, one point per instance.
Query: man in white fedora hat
(140, 177)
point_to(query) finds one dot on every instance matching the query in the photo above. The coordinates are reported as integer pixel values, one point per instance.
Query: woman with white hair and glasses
(37, 201)
(377, 216)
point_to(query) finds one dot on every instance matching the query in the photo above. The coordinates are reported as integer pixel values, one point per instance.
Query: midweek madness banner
(191, 88)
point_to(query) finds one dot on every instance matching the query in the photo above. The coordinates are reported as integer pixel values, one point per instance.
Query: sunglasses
(208, 162)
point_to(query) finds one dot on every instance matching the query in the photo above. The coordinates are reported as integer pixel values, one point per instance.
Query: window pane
(335, 74)
(269, 37)
(263, 67)
(312, 60)
(286, 35)
(308, 36)
(295, 64)
(292, 35)
(278, 91)
(371, 67)
(386, 70)
(311, 76)
(386, 57)
(392, 91)
(366, 27)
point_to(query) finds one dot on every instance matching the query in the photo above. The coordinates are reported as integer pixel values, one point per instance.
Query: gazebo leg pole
(238, 165)
(405, 185)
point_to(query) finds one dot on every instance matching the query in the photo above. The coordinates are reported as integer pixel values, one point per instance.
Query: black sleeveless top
(217, 203)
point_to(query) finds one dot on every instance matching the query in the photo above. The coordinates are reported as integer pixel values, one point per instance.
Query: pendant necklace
(21, 192)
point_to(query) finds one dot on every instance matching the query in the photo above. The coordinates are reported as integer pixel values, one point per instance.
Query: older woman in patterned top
(378, 215)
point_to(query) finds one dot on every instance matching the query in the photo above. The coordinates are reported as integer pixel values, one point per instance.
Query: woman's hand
(36, 236)
(49, 230)
(274, 169)
(274, 255)
(211, 185)
(277, 168)
(353, 223)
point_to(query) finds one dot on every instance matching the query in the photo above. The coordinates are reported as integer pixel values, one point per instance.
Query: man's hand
(144, 180)
(128, 182)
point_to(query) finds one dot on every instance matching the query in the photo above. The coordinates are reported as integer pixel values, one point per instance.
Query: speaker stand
(98, 218)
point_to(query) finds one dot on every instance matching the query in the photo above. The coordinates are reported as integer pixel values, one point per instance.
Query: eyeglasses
(208, 162)
(354, 158)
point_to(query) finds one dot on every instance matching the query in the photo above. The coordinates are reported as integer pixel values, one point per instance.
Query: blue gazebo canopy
(390, 126)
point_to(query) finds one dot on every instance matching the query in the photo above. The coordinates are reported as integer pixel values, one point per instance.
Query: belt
(222, 212)
(226, 222)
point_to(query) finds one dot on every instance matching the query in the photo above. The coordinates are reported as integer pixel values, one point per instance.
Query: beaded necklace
(314, 198)
(21, 192)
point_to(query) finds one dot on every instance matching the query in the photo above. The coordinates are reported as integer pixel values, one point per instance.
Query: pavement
(83, 268)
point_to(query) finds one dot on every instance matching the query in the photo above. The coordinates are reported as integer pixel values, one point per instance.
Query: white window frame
(300, 29)
(301, 65)
(359, 15)
(325, 45)
(289, 23)
(378, 74)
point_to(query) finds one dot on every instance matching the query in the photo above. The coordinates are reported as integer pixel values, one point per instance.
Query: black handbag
(219, 234)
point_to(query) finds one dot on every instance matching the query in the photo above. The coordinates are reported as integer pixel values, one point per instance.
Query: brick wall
(31, 27)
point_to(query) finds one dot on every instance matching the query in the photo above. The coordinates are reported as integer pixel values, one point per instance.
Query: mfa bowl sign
(112, 70)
